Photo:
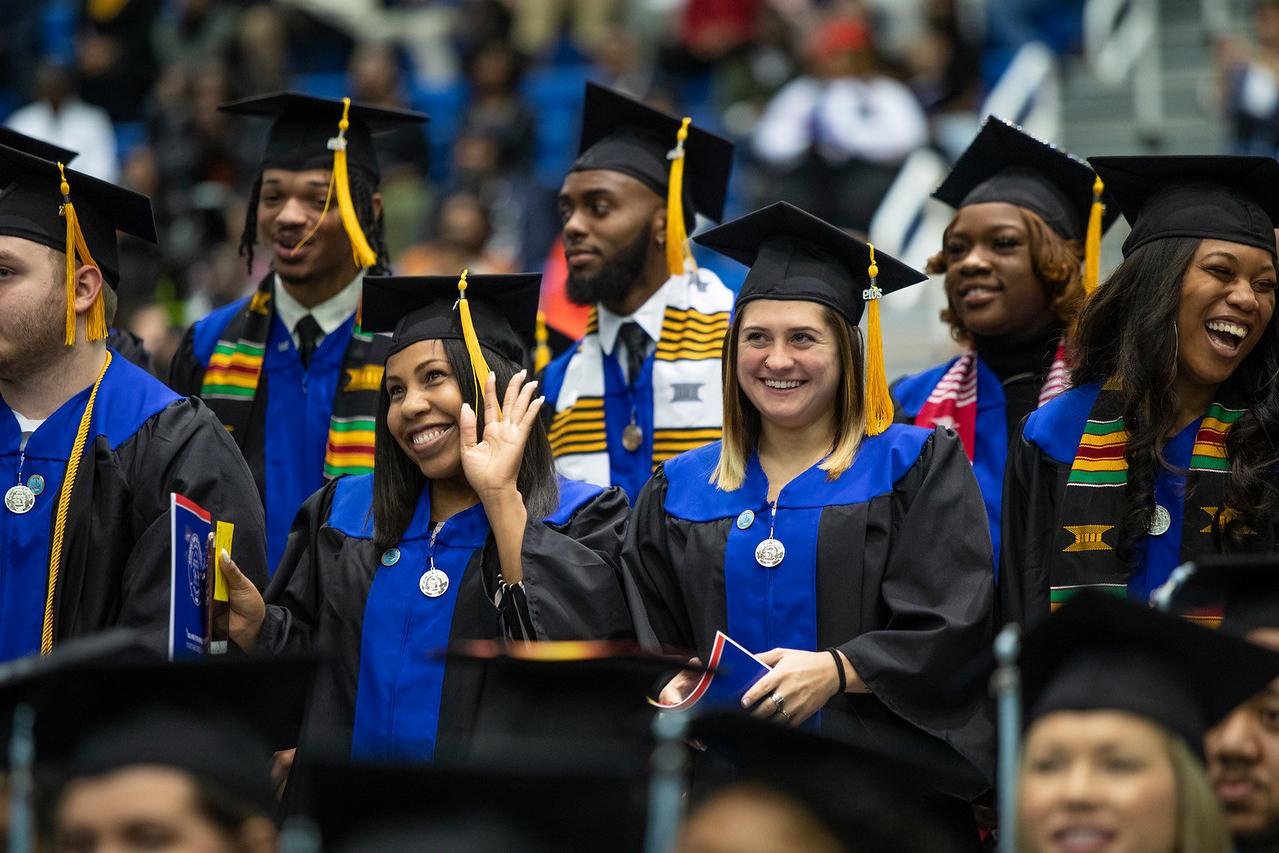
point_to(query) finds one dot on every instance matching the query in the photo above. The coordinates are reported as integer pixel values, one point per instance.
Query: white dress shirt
(330, 314)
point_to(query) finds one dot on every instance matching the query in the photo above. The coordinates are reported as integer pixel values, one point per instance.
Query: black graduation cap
(1006, 164)
(1102, 652)
(620, 134)
(1206, 196)
(872, 794)
(423, 308)
(31, 207)
(303, 125)
(1243, 588)
(37, 147)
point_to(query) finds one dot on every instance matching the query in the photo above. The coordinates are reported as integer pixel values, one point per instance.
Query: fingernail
(541, 399)
(745, 704)
(492, 376)
(226, 558)
(533, 384)
(523, 372)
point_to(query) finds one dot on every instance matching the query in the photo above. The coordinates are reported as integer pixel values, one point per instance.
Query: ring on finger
(785, 715)
(780, 701)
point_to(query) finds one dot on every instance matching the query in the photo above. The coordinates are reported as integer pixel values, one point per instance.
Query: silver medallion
(20, 499)
(1160, 521)
(770, 553)
(746, 519)
(433, 583)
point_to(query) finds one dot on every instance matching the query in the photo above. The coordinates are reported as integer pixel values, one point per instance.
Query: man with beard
(91, 446)
(288, 369)
(643, 384)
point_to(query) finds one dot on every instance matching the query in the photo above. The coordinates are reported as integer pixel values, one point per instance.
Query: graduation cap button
(745, 520)
(390, 556)
(36, 484)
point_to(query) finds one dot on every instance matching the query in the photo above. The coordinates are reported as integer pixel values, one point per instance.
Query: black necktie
(308, 332)
(636, 340)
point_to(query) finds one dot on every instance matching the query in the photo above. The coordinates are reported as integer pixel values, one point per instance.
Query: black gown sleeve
(294, 596)
(650, 559)
(572, 581)
(186, 374)
(1028, 526)
(939, 590)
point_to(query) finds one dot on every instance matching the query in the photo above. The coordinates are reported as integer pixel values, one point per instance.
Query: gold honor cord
(64, 508)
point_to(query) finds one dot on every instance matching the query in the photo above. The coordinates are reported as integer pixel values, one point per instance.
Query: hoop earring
(1176, 348)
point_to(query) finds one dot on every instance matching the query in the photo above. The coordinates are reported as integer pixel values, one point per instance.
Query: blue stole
(127, 398)
(299, 405)
(777, 607)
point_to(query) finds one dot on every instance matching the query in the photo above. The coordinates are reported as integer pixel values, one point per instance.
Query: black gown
(144, 442)
(890, 563)
(387, 695)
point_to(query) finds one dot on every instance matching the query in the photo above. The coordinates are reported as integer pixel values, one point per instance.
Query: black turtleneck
(1022, 366)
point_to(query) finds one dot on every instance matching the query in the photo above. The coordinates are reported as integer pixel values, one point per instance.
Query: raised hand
(492, 463)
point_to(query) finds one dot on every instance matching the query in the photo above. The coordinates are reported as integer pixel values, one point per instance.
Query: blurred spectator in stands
(493, 71)
(59, 116)
(1249, 80)
(403, 152)
(463, 236)
(832, 140)
(114, 54)
(621, 63)
(944, 65)
(190, 33)
(745, 81)
(709, 32)
(538, 24)
(261, 51)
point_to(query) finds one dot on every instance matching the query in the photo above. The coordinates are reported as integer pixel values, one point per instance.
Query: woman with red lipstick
(847, 552)
(462, 532)
(1164, 450)
(1013, 260)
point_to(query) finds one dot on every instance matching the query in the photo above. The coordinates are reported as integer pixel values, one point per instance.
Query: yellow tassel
(76, 244)
(676, 232)
(542, 352)
(879, 404)
(479, 366)
(1092, 240)
(361, 251)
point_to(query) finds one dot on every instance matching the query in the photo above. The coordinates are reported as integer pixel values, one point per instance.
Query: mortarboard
(620, 134)
(1243, 588)
(794, 255)
(320, 133)
(1100, 652)
(11, 138)
(1206, 196)
(73, 213)
(1006, 164)
(872, 793)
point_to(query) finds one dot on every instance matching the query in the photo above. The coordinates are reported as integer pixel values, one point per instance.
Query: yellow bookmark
(221, 542)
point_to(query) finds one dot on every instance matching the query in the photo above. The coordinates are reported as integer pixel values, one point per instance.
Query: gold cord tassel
(676, 232)
(879, 404)
(1092, 239)
(339, 178)
(479, 366)
(97, 323)
(542, 352)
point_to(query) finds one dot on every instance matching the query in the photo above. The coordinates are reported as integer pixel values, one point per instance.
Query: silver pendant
(433, 583)
(770, 553)
(20, 499)
(632, 437)
(1160, 521)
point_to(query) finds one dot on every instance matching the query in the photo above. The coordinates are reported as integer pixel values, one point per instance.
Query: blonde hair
(742, 419)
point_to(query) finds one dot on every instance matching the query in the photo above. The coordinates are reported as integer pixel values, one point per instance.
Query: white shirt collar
(330, 314)
(649, 316)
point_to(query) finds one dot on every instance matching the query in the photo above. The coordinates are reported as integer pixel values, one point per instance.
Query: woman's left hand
(492, 464)
(804, 681)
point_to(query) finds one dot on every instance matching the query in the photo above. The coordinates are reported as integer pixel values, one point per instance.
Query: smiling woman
(1162, 452)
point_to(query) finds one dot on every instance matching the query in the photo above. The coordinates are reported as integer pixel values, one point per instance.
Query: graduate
(1160, 453)
(462, 532)
(1015, 276)
(91, 445)
(643, 384)
(1117, 698)
(848, 552)
(288, 369)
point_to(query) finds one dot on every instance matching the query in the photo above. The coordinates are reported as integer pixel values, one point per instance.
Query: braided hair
(363, 186)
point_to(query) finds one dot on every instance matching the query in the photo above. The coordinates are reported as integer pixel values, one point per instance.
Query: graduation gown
(144, 442)
(289, 425)
(386, 695)
(1039, 467)
(890, 563)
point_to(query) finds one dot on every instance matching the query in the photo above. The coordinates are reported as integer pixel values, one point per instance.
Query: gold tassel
(361, 251)
(479, 366)
(879, 404)
(97, 324)
(1092, 240)
(676, 232)
(542, 352)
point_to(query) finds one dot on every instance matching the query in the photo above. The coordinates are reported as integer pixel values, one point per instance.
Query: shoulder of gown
(1056, 426)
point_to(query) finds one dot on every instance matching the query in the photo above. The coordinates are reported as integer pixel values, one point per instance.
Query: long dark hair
(398, 482)
(362, 189)
(1123, 334)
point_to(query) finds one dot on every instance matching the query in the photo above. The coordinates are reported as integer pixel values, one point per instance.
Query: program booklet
(730, 672)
